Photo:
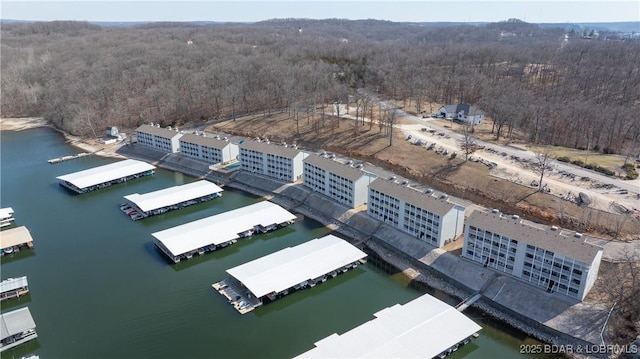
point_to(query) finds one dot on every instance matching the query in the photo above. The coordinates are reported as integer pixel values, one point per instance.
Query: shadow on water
(298, 296)
(15, 302)
(22, 350)
(16, 256)
(220, 252)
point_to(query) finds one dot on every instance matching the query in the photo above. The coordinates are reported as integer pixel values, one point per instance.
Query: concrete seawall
(551, 318)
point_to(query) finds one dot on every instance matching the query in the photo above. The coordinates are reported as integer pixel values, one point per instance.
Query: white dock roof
(173, 195)
(13, 283)
(221, 228)
(15, 322)
(422, 328)
(106, 173)
(6, 212)
(286, 268)
(15, 236)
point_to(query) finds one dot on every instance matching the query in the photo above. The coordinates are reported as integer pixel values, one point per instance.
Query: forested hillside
(558, 89)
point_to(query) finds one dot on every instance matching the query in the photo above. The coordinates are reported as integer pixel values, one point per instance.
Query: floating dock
(13, 288)
(210, 233)
(70, 157)
(138, 206)
(14, 239)
(423, 328)
(288, 270)
(6, 216)
(16, 327)
(104, 176)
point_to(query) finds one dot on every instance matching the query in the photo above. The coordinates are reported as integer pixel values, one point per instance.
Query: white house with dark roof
(462, 112)
(557, 261)
(432, 219)
(212, 150)
(277, 161)
(163, 139)
(341, 182)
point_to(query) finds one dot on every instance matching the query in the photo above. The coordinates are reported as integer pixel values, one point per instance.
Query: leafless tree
(542, 164)
(467, 143)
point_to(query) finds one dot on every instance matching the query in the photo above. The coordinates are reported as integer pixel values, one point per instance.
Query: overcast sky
(410, 11)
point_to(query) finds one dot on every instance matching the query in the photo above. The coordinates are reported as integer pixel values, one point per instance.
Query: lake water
(100, 288)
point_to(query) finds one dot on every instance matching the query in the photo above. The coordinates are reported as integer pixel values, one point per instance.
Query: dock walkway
(71, 157)
(468, 302)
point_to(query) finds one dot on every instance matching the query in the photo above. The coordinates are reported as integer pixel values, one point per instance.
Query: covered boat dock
(287, 270)
(423, 328)
(105, 176)
(220, 230)
(6, 216)
(138, 206)
(13, 288)
(16, 327)
(12, 240)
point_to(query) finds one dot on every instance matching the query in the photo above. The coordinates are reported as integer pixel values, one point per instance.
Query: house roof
(270, 148)
(205, 141)
(518, 229)
(158, 131)
(337, 168)
(466, 109)
(426, 201)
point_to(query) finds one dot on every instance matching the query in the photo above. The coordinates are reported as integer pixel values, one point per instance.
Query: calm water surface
(100, 288)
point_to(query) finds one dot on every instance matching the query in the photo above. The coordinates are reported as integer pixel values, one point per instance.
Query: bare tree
(467, 143)
(542, 164)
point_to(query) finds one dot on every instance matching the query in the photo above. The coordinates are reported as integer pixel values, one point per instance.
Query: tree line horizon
(560, 88)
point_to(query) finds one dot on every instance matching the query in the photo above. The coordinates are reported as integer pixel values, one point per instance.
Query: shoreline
(26, 123)
(415, 270)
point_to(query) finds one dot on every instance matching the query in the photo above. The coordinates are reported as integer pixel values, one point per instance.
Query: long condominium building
(432, 219)
(341, 182)
(212, 150)
(276, 161)
(551, 258)
(163, 139)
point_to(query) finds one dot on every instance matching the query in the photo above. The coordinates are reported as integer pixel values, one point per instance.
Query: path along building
(16, 327)
(210, 233)
(212, 150)
(432, 219)
(344, 183)
(423, 328)
(139, 206)
(553, 259)
(104, 176)
(286, 270)
(163, 139)
(277, 161)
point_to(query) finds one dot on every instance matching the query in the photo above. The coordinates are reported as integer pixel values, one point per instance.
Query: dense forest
(559, 88)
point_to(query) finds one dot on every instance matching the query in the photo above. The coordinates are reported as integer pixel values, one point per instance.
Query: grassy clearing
(592, 157)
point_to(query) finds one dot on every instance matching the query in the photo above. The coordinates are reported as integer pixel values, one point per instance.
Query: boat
(8, 250)
(136, 216)
(475, 335)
